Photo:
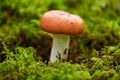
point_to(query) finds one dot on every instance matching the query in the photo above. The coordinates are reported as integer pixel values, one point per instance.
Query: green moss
(25, 48)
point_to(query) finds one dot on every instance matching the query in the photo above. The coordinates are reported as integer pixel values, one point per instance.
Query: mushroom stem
(60, 47)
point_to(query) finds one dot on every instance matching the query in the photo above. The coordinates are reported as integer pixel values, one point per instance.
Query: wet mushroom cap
(61, 22)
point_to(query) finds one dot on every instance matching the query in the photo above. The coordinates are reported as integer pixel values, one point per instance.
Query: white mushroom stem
(60, 47)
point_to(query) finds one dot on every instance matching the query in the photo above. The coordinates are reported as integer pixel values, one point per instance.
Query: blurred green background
(19, 24)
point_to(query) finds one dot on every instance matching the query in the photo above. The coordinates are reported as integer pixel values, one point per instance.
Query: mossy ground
(25, 48)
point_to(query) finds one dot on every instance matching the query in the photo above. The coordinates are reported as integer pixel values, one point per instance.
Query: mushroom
(62, 24)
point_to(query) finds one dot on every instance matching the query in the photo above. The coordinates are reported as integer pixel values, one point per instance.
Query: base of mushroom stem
(60, 47)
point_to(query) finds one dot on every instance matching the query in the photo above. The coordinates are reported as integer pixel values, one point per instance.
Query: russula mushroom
(62, 24)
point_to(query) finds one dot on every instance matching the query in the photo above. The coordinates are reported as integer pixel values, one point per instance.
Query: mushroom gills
(60, 47)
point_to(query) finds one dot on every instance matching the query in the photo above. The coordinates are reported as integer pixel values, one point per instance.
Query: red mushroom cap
(61, 22)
